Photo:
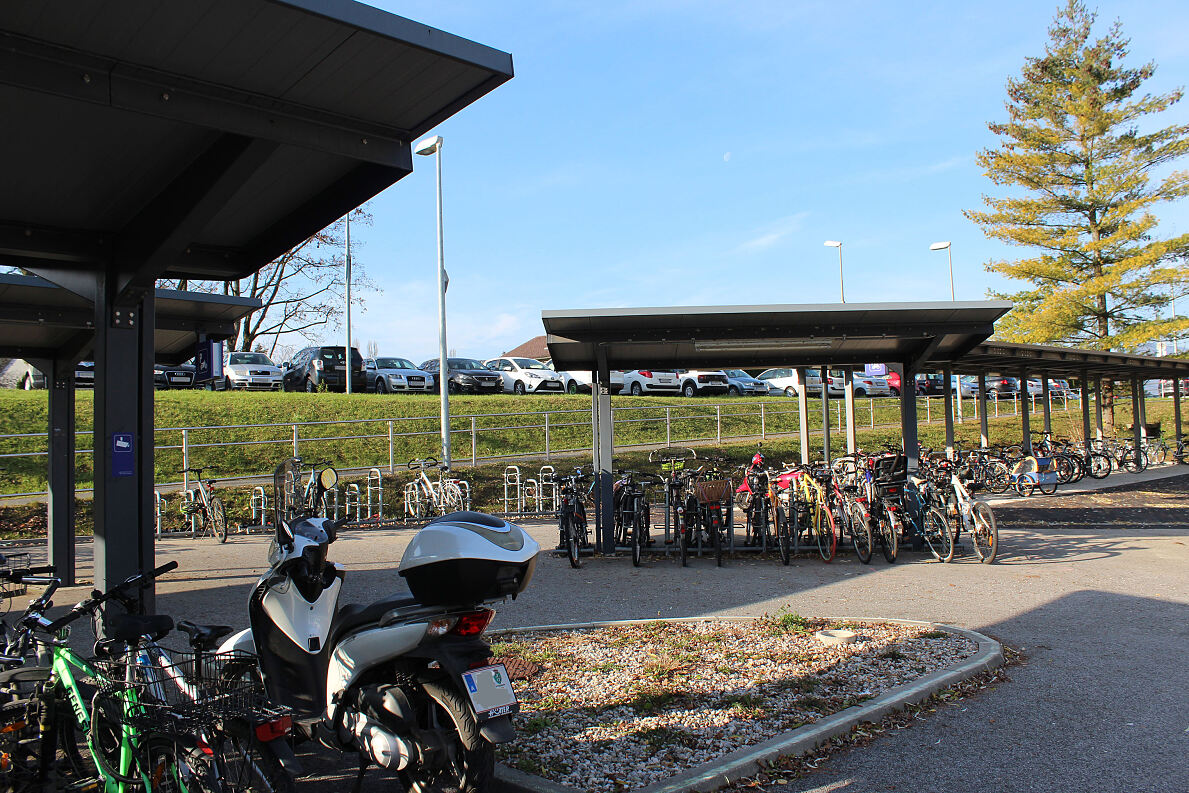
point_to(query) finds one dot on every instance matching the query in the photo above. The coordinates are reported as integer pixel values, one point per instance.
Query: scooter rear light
(271, 730)
(473, 623)
(440, 627)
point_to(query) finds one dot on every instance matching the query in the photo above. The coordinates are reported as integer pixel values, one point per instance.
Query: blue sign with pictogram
(208, 361)
(123, 454)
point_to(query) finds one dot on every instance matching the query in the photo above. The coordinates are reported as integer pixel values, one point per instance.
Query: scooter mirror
(328, 478)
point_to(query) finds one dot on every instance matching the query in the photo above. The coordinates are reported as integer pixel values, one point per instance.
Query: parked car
(930, 384)
(465, 376)
(250, 371)
(1061, 388)
(526, 376)
(893, 379)
(84, 374)
(1034, 388)
(650, 381)
(865, 385)
(785, 381)
(166, 377)
(695, 382)
(580, 381)
(315, 367)
(386, 375)
(740, 383)
(1003, 387)
(966, 385)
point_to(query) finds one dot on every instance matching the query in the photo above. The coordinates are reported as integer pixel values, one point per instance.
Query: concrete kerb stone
(747, 761)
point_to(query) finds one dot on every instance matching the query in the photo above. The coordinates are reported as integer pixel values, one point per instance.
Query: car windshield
(250, 358)
(737, 373)
(394, 363)
(336, 354)
(465, 363)
(529, 363)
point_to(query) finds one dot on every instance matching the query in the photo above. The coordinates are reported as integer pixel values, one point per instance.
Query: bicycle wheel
(938, 535)
(716, 539)
(827, 540)
(1026, 484)
(1098, 465)
(683, 545)
(1132, 460)
(247, 764)
(1047, 488)
(217, 516)
(998, 477)
(1063, 467)
(1158, 453)
(985, 535)
(782, 536)
(889, 536)
(743, 500)
(860, 532)
(638, 539)
(451, 498)
(570, 534)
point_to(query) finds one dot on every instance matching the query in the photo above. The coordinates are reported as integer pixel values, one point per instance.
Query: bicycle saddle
(203, 637)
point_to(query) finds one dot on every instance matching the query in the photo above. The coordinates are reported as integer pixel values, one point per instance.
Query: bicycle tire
(1026, 485)
(827, 539)
(860, 533)
(683, 545)
(743, 500)
(1131, 461)
(217, 515)
(782, 536)
(939, 535)
(999, 477)
(1158, 453)
(985, 534)
(1098, 465)
(1047, 488)
(889, 536)
(570, 532)
(1064, 468)
(716, 536)
(637, 539)
(249, 765)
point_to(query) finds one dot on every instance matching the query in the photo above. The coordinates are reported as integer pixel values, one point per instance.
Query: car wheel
(451, 387)
(572, 387)
(636, 389)
(689, 390)
(310, 387)
(860, 392)
(518, 388)
(732, 391)
(790, 392)
(380, 387)
(895, 391)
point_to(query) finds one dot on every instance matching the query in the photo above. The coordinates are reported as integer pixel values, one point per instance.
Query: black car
(315, 367)
(930, 385)
(1002, 386)
(165, 376)
(467, 376)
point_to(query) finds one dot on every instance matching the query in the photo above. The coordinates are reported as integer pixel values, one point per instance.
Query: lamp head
(832, 244)
(428, 146)
(939, 246)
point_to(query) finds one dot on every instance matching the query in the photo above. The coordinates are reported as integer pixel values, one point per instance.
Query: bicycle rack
(465, 487)
(532, 496)
(547, 489)
(159, 505)
(513, 491)
(188, 498)
(351, 501)
(412, 495)
(375, 488)
(326, 504)
(259, 505)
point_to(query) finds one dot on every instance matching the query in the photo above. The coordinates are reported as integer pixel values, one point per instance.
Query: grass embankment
(501, 424)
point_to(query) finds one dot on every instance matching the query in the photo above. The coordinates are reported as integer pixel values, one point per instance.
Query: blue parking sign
(123, 454)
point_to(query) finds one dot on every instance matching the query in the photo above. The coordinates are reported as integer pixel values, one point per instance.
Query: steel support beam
(1086, 409)
(1048, 404)
(1098, 408)
(123, 438)
(604, 512)
(60, 509)
(908, 415)
(803, 414)
(825, 370)
(947, 375)
(1025, 413)
(848, 380)
(983, 435)
(1136, 424)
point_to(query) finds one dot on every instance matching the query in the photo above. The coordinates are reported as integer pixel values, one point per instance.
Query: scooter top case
(466, 558)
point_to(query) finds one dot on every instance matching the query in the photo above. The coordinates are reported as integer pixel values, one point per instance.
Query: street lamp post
(347, 301)
(937, 246)
(841, 285)
(427, 147)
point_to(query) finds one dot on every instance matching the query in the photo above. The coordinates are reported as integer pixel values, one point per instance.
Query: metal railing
(375, 443)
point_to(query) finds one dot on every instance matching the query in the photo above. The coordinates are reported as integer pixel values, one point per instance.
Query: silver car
(251, 371)
(740, 383)
(386, 375)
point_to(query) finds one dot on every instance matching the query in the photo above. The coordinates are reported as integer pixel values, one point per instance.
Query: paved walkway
(1093, 586)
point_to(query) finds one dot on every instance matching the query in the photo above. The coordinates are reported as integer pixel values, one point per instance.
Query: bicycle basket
(712, 491)
(673, 465)
(182, 692)
(8, 563)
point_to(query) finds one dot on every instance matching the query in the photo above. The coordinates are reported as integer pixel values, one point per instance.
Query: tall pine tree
(1082, 192)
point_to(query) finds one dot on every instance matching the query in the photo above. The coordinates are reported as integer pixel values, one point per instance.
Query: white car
(250, 371)
(865, 385)
(650, 381)
(581, 381)
(785, 381)
(526, 376)
(695, 382)
(386, 375)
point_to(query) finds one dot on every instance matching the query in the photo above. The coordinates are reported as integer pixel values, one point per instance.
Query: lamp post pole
(841, 283)
(950, 257)
(347, 306)
(427, 147)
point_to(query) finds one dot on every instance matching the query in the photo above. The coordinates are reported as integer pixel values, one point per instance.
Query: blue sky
(659, 152)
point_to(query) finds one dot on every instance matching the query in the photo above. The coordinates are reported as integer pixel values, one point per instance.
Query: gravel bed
(618, 708)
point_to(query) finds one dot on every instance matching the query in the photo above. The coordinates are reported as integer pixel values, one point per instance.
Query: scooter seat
(203, 637)
(357, 615)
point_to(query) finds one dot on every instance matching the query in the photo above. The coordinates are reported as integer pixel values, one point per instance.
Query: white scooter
(404, 681)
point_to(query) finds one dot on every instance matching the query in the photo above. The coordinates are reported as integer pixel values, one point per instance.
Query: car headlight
(395, 377)
(465, 378)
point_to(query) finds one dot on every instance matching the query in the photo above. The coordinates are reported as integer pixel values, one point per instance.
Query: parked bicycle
(425, 497)
(633, 512)
(206, 510)
(571, 514)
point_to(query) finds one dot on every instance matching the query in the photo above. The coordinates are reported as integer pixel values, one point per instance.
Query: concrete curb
(747, 761)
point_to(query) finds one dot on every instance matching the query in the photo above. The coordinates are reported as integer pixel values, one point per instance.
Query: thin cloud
(773, 233)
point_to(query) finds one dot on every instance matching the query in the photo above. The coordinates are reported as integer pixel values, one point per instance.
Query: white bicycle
(963, 511)
(425, 497)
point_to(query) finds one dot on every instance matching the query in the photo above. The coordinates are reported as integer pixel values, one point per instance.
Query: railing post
(871, 408)
(928, 415)
(718, 422)
(295, 454)
(668, 428)
(546, 434)
(186, 459)
(474, 444)
(763, 422)
(391, 450)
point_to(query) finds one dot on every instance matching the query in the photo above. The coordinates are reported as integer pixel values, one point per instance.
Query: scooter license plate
(490, 690)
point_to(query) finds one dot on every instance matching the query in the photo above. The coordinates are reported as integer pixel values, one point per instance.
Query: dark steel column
(1176, 410)
(908, 415)
(1048, 407)
(123, 504)
(1136, 423)
(606, 453)
(947, 374)
(825, 370)
(1025, 409)
(1086, 408)
(984, 438)
(60, 515)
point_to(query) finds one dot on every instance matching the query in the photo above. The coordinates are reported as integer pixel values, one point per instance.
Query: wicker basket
(712, 491)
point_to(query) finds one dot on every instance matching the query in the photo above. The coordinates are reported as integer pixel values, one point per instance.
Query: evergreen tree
(1080, 172)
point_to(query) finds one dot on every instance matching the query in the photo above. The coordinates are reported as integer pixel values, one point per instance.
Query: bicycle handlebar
(139, 580)
(15, 575)
(422, 463)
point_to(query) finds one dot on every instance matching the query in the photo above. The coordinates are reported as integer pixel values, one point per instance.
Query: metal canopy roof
(1006, 358)
(777, 335)
(202, 139)
(42, 320)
